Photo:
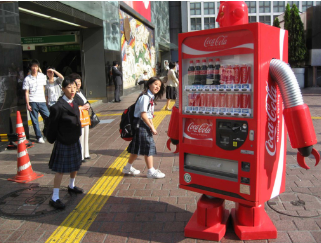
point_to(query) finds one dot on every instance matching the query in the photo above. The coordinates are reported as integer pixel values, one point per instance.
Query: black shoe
(57, 204)
(75, 190)
(88, 157)
(82, 160)
(117, 101)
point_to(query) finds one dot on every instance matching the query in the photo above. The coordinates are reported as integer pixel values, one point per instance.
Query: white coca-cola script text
(271, 111)
(199, 128)
(219, 41)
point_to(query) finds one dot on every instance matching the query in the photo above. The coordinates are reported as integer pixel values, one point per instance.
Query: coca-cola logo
(204, 128)
(271, 111)
(219, 41)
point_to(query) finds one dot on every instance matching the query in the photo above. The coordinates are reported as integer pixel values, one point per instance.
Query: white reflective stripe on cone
(21, 154)
(21, 140)
(19, 125)
(24, 167)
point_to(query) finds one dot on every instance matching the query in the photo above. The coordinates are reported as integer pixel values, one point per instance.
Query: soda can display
(246, 100)
(222, 100)
(197, 99)
(202, 99)
(244, 74)
(223, 76)
(216, 100)
(237, 100)
(191, 99)
(248, 73)
(236, 69)
(229, 74)
(209, 100)
(229, 100)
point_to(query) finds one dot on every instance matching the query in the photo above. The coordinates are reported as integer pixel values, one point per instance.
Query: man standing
(118, 80)
(34, 85)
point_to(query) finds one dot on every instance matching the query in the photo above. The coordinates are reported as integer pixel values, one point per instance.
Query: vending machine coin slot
(245, 166)
(231, 135)
(245, 180)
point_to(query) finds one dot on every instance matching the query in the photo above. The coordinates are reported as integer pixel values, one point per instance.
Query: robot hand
(173, 131)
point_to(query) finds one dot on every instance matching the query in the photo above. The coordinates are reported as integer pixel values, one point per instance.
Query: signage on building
(49, 39)
(141, 7)
(28, 47)
(75, 47)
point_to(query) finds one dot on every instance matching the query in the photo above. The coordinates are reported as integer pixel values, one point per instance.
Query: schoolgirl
(64, 129)
(143, 142)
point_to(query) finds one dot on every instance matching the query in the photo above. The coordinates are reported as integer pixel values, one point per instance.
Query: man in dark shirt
(118, 80)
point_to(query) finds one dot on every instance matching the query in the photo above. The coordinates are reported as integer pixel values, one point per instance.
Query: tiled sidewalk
(145, 210)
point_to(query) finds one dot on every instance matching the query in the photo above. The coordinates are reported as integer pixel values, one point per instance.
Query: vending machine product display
(232, 134)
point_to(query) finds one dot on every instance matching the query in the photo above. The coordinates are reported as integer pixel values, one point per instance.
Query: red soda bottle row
(226, 100)
(235, 74)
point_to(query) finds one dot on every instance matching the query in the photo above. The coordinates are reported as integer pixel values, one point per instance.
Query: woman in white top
(53, 87)
(171, 85)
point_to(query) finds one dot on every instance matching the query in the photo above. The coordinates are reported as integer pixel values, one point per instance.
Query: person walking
(143, 142)
(172, 84)
(34, 85)
(64, 130)
(53, 87)
(83, 104)
(118, 80)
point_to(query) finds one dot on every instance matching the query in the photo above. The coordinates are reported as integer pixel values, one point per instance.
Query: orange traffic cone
(21, 130)
(24, 170)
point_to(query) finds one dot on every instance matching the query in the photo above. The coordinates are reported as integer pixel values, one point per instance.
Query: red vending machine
(232, 134)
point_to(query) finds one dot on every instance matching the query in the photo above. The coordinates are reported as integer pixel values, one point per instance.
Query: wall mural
(137, 49)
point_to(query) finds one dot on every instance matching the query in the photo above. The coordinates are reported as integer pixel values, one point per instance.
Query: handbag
(84, 118)
(93, 119)
(165, 79)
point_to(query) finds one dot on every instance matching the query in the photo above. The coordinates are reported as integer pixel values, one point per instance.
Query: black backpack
(127, 127)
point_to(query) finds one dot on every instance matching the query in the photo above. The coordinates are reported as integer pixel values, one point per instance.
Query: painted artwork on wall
(137, 50)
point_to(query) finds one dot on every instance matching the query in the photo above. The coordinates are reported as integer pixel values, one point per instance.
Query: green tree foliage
(297, 47)
(287, 14)
(276, 22)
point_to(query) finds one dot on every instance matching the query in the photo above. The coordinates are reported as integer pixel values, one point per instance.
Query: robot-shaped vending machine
(237, 100)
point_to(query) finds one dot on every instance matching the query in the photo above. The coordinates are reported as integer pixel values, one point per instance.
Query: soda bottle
(191, 73)
(197, 79)
(217, 71)
(210, 72)
(203, 72)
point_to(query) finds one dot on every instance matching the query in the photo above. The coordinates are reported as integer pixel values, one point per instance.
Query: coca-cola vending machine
(232, 135)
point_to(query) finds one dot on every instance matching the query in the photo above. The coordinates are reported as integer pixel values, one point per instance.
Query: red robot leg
(209, 220)
(252, 223)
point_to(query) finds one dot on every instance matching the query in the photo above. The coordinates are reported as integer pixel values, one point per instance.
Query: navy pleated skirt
(143, 141)
(65, 158)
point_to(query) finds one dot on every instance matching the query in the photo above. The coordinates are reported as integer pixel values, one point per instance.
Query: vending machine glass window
(219, 83)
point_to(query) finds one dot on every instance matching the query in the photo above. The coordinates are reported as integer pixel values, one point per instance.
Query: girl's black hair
(50, 67)
(171, 65)
(68, 81)
(161, 91)
(74, 76)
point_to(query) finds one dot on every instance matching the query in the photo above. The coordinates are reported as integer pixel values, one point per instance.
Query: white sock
(128, 166)
(72, 183)
(55, 194)
(151, 170)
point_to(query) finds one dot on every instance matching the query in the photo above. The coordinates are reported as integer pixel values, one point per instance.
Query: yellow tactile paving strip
(74, 227)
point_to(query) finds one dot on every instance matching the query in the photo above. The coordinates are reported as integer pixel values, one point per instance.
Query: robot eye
(221, 14)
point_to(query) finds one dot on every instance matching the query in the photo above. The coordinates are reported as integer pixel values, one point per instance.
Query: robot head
(232, 13)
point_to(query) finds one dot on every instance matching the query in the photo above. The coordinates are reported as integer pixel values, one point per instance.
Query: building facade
(83, 37)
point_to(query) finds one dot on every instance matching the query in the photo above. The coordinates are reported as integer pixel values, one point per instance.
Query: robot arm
(296, 114)
(173, 130)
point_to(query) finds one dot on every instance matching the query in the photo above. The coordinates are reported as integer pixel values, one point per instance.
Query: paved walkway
(119, 208)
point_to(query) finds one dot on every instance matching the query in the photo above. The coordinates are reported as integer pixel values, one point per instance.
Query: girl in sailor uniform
(64, 130)
(143, 142)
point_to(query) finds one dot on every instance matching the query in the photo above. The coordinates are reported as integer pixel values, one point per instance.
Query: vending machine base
(209, 220)
(252, 223)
